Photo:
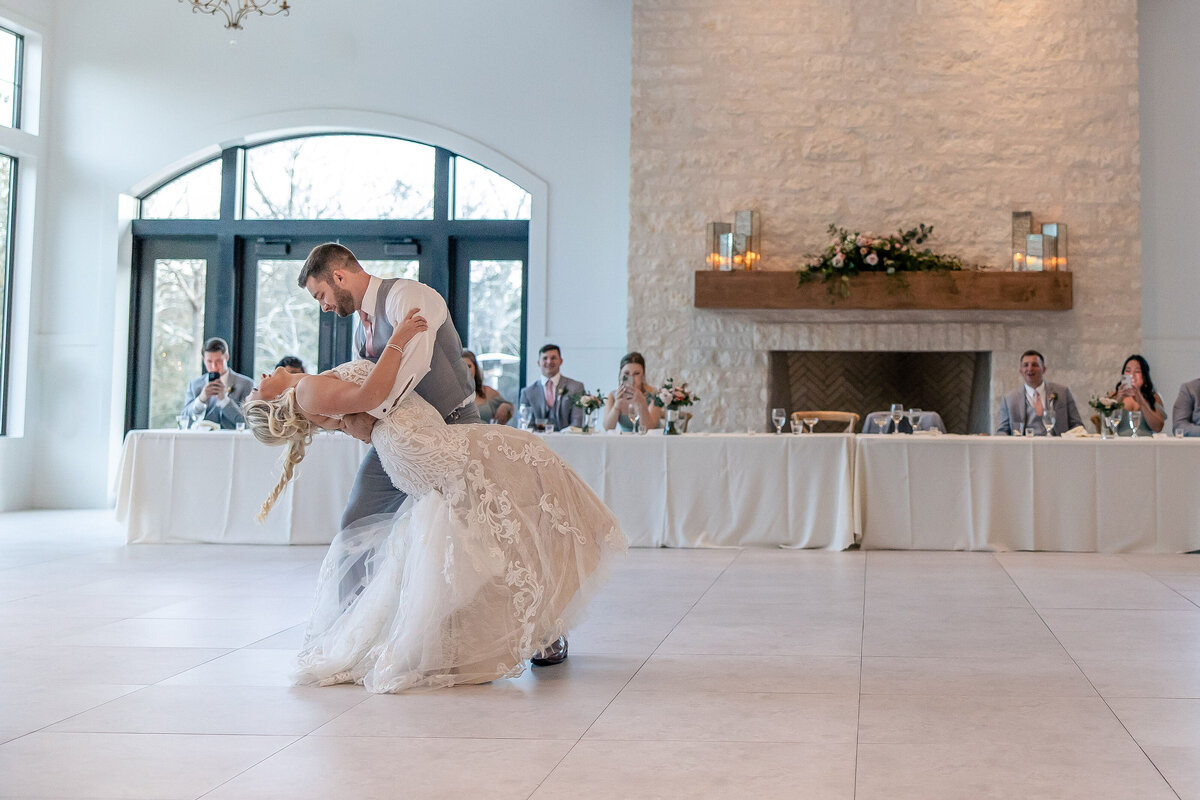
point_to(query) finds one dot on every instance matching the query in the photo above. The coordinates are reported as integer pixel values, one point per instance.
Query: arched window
(217, 250)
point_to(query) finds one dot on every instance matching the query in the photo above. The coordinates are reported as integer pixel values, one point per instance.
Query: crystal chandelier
(234, 10)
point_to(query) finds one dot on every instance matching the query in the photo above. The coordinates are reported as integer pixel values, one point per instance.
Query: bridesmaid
(1136, 390)
(633, 395)
(491, 404)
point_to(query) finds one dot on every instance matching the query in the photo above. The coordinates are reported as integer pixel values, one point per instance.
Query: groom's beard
(343, 302)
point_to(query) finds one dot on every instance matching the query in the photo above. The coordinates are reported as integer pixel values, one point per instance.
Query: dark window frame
(6, 300)
(230, 294)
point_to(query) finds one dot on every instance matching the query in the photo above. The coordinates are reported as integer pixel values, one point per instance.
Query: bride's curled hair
(279, 422)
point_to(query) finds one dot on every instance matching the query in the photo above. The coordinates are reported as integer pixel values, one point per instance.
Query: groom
(335, 279)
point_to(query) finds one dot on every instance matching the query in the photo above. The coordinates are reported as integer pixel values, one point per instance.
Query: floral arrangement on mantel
(852, 252)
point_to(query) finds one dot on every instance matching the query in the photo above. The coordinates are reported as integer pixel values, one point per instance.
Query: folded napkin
(1078, 432)
(930, 432)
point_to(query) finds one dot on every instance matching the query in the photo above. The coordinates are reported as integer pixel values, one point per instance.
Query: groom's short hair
(324, 259)
(216, 345)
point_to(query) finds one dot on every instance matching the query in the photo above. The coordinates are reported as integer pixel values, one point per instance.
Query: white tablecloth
(679, 491)
(1010, 493)
(184, 486)
(706, 490)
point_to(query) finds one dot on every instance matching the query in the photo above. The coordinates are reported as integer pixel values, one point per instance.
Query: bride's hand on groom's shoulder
(413, 324)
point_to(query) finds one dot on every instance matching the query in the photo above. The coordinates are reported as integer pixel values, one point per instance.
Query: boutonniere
(562, 391)
(1053, 398)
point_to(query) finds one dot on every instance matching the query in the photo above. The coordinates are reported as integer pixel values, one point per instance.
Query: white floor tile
(1017, 676)
(25, 708)
(121, 765)
(1143, 677)
(62, 665)
(1159, 722)
(1181, 767)
(750, 673)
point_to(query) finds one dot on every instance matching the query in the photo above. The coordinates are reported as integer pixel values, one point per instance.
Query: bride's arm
(321, 394)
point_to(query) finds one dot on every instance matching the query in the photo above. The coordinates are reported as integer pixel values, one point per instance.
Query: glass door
(169, 291)
(489, 308)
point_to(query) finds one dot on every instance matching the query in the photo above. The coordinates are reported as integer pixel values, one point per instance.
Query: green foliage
(851, 252)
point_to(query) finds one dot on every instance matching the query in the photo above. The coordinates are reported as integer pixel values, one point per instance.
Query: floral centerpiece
(590, 402)
(673, 397)
(1111, 411)
(852, 252)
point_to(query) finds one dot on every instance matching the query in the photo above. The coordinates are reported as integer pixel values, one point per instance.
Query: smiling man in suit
(218, 398)
(1025, 405)
(553, 397)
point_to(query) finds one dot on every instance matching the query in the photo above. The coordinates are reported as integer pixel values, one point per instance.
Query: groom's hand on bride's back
(359, 426)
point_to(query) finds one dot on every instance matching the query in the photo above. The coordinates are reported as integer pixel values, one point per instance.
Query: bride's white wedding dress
(495, 552)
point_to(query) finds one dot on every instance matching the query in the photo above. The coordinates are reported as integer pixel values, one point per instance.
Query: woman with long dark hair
(1136, 391)
(491, 404)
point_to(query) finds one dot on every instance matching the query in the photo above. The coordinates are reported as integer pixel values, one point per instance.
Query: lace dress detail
(496, 551)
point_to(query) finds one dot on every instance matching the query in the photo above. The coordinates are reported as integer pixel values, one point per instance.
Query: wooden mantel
(967, 290)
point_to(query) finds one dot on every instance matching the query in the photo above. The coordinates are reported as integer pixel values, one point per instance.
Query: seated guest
(553, 397)
(1025, 405)
(292, 365)
(1136, 390)
(633, 395)
(1185, 416)
(491, 404)
(219, 391)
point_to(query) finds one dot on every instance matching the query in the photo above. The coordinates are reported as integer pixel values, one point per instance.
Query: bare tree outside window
(178, 335)
(340, 177)
(480, 193)
(286, 320)
(495, 323)
(193, 195)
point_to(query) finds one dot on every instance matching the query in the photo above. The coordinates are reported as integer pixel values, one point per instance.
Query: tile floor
(161, 672)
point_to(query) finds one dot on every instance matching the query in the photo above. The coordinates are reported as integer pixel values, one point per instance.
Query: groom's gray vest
(447, 383)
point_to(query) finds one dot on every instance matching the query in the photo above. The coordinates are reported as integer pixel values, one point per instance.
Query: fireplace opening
(957, 385)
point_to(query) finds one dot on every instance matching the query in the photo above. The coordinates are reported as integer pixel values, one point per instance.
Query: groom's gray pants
(374, 493)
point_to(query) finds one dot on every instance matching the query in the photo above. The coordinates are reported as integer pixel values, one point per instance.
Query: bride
(493, 555)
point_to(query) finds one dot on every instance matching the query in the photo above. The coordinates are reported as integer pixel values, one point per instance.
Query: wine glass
(635, 418)
(1018, 429)
(778, 415)
(197, 415)
(525, 416)
(1135, 419)
(811, 422)
(183, 420)
(1048, 420)
(897, 412)
(914, 418)
(1113, 421)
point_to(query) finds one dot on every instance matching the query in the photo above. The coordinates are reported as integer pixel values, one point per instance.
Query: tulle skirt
(441, 594)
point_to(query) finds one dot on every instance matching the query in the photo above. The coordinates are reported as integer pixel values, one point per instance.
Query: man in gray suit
(219, 391)
(1025, 405)
(1185, 415)
(553, 397)
(335, 279)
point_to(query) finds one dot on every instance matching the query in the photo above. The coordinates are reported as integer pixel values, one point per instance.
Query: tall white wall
(1169, 86)
(135, 86)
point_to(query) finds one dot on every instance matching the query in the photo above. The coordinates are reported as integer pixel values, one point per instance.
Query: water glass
(797, 425)
(778, 415)
(811, 422)
(1177, 433)
(549, 426)
(1018, 429)
(914, 418)
(897, 412)
(1048, 420)
(196, 417)
(1135, 420)
(525, 416)
(239, 426)
(183, 421)
(1113, 421)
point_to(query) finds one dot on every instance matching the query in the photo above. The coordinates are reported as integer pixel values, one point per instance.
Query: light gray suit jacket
(564, 413)
(1014, 408)
(1185, 415)
(228, 414)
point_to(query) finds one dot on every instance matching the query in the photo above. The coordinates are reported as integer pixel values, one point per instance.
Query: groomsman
(1185, 416)
(1025, 405)
(219, 391)
(553, 397)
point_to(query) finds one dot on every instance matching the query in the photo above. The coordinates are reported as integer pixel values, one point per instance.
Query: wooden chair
(849, 418)
(684, 418)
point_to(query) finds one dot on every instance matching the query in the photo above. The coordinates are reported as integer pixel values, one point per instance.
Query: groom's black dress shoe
(554, 653)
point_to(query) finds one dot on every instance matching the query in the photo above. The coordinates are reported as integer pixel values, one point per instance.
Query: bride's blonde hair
(279, 422)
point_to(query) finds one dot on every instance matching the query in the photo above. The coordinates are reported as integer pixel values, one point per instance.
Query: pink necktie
(368, 345)
(1038, 408)
(550, 393)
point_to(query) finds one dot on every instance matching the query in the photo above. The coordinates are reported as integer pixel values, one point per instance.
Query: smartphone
(214, 376)
(1127, 380)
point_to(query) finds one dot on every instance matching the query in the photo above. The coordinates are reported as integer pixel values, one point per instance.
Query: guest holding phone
(632, 397)
(491, 404)
(218, 392)
(1136, 391)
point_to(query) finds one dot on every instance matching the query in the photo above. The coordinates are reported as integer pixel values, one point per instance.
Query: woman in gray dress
(1136, 391)
(491, 404)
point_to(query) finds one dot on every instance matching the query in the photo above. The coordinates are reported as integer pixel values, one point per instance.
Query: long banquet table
(679, 491)
(1020, 493)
